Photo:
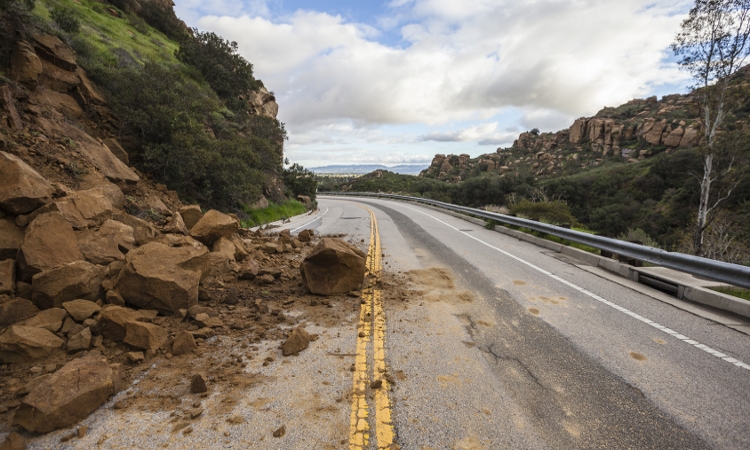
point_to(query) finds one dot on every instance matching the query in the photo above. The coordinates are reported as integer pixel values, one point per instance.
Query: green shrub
(300, 181)
(66, 19)
(555, 213)
(219, 62)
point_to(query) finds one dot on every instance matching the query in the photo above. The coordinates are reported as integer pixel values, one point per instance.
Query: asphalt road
(531, 351)
(497, 344)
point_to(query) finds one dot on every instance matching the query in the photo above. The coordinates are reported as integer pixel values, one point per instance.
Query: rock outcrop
(213, 226)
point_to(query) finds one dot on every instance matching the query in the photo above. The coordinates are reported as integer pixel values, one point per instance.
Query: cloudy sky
(396, 82)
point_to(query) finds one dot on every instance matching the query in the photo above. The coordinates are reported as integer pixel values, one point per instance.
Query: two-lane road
(512, 347)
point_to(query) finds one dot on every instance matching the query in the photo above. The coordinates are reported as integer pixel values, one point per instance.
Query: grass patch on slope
(116, 41)
(272, 213)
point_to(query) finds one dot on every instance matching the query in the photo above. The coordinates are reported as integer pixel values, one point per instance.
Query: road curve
(529, 350)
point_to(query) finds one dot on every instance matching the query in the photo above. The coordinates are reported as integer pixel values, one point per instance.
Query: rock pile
(79, 275)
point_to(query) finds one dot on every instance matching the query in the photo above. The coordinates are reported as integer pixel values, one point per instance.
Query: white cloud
(483, 134)
(553, 60)
(463, 61)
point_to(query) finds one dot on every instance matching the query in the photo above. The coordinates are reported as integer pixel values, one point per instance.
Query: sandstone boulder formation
(69, 395)
(7, 277)
(333, 267)
(16, 310)
(22, 189)
(107, 244)
(191, 214)
(145, 336)
(49, 242)
(49, 319)
(76, 280)
(212, 226)
(113, 322)
(24, 344)
(81, 310)
(164, 278)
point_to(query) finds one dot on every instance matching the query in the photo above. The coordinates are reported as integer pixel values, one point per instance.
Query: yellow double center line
(371, 327)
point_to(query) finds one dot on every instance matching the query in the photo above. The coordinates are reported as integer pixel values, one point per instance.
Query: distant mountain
(404, 169)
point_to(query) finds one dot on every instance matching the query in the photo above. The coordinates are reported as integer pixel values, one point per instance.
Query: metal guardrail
(733, 274)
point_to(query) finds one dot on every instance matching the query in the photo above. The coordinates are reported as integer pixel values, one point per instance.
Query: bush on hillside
(172, 117)
(555, 213)
(299, 181)
(224, 69)
(66, 19)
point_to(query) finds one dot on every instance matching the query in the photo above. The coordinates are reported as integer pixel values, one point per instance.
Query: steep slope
(69, 112)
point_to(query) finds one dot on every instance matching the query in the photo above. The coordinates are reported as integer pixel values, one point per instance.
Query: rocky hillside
(73, 107)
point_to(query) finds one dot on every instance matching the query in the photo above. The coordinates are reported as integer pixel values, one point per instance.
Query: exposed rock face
(674, 137)
(23, 344)
(69, 395)
(145, 336)
(22, 189)
(263, 103)
(16, 310)
(191, 214)
(212, 226)
(106, 244)
(333, 267)
(76, 280)
(113, 145)
(11, 237)
(24, 63)
(49, 242)
(163, 278)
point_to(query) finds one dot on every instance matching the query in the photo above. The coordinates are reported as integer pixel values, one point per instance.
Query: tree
(713, 44)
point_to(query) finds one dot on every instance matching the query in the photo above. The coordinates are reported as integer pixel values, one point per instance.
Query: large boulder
(49, 242)
(83, 209)
(22, 189)
(191, 214)
(214, 225)
(164, 278)
(49, 319)
(11, 237)
(333, 267)
(107, 244)
(23, 344)
(113, 322)
(16, 310)
(76, 280)
(68, 395)
(8, 277)
(145, 336)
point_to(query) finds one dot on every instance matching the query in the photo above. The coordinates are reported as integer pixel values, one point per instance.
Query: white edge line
(653, 324)
(312, 221)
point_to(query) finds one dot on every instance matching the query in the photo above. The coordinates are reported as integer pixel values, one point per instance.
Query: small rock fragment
(298, 340)
(135, 357)
(198, 384)
(280, 432)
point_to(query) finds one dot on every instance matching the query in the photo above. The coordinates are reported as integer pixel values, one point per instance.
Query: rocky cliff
(633, 131)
